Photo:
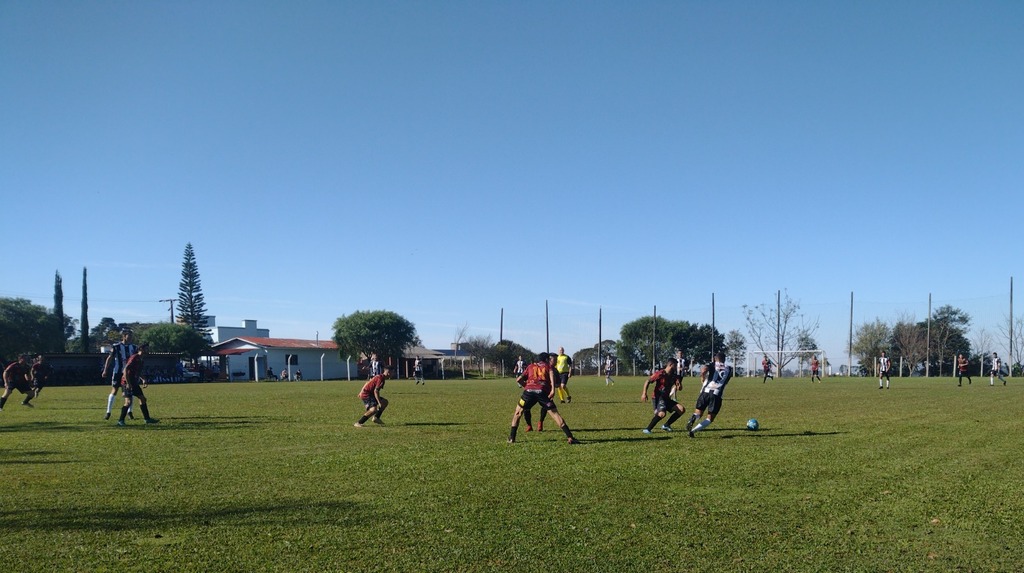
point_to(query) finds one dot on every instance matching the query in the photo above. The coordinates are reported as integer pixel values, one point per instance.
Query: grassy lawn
(273, 477)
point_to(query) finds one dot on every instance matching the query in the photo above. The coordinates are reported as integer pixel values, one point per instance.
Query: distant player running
(961, 367)
(16, 377)
(883, 370)
(766, 365)
(997, 370)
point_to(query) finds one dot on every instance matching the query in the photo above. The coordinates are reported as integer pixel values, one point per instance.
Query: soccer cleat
(511, 441)
(573, 441)
(106, 416)
(152, 421)
(689, 425)
(540, 426)
(378, 421)
(130, 415)
(690, 433)
(568, 399)
(666, 428)
(358, 425)
(529, 428)
(646, 431)
(121, 423)
(29, 404)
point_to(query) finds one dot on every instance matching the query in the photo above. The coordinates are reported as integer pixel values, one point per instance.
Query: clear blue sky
(445, 160)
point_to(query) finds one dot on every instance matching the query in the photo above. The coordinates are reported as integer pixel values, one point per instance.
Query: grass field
(273, 477)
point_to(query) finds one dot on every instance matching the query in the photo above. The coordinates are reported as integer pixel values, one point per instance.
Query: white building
(222, 333)
(261, 358)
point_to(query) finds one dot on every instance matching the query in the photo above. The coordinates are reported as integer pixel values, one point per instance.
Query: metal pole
(928, 340)
(654, 339)
(849, 351)
(547, 329)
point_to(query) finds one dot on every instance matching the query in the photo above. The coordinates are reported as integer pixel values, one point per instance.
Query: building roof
(243, 343)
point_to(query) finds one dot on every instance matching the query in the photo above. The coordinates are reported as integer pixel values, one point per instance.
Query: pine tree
(58, 312)
(84, 345)
(191, 307)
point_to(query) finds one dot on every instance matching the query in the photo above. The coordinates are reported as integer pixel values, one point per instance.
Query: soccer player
(16, 377)
(114, 367)
(710, 398)
(41, 372)
(563, 366)
(520, 366)
(997, 370)
(815, 369)
(961, 367)
(766, 365)
(417, 371)
(883, 370)
(664, 380)
(608, 363)
(370, 395)
(538, 384)
(132, 382)
(374, 365)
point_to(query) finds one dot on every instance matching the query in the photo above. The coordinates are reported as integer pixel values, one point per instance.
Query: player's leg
(562, 424)
(676, 413)
(518, 413)
(6, 394)
(659, 413)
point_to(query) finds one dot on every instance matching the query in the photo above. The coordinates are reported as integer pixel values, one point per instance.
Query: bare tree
(1016, 342)
(982, 343)
(460, 335)
(910, 340)
(774, 327)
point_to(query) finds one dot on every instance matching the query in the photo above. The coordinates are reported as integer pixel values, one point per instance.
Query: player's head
(386, 371)
(542, 357)
(671, 363)
(126, 335)
(719, 356)
(144, 348)
(561, 350)
(883, 353)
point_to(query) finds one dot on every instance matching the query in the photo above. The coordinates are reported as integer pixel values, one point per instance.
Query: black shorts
(22, 386)
(370, 402)
(529, 398)
(708, 402)
(133, 389)
(115, 380)
(664, 404)
(563, 379)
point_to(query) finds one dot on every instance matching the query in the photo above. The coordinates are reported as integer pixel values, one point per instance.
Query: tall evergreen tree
(59, 325)
(191, 306)
(84, 345)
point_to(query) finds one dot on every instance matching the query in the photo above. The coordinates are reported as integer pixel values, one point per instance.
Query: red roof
(291, 343)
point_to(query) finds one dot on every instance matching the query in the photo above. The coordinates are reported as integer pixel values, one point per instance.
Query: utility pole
(170, 300)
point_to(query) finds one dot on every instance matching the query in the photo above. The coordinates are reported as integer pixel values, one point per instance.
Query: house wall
(248, 328)
(243, 367)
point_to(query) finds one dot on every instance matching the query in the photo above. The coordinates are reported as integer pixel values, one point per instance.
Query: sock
(654, 422)
(543, 414)
(2, 402)
(528, 417)
(693, 418)
(363, 419)
(110, 402)
(124, 412)
(512, 434)
(566, 430)
(672, 419)
(145, 411)
(703, 424)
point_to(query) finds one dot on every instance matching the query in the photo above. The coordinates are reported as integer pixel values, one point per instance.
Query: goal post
(791, 363)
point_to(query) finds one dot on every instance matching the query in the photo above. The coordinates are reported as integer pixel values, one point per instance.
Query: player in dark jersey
(665, 380)
(114, 367)
(538, 384)
(815, 369)
(132, 384)
(41, 372)
(374, 403)
(766, 365)
(714, 378)
(961, 367)
(16, 377)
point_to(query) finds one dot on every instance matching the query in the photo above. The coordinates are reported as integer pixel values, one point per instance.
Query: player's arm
(570, 368)
(647, 384)
(106, 364)
(552, 382)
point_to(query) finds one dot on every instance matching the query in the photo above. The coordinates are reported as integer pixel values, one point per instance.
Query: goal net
(787, 363)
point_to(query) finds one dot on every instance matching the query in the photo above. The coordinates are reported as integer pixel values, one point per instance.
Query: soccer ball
(752, 424)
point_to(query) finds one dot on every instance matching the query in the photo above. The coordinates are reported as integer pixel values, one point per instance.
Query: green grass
(273, 477)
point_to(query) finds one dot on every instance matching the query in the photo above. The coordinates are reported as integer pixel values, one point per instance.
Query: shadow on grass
(9, 457)
(434, 424)
(640, 438)
(202, 423)
(301, 513)
(765, 433)
(46, 427)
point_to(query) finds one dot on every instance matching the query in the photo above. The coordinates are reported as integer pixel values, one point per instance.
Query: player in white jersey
(114, 367)
(710, 399)
(883, 370)
(997, 370)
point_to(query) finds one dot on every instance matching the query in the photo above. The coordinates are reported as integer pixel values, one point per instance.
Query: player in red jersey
(132, 383)
(815, 368)
(538, 384)
(370, 395)
(766, 365)
(665, 381)
(16, 377)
